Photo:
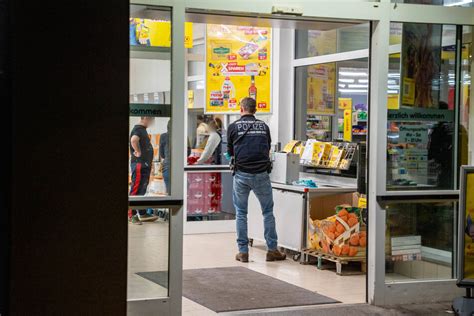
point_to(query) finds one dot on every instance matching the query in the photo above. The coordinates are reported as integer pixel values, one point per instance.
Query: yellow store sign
(238, 61)
(348, 125)
(146, 32)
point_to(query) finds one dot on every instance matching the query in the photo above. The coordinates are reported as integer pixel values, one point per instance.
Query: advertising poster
(392, 102)
(238, 65)
(421, 62)
(152, 33)
(348, 125)
(468, 210)
(321, 85)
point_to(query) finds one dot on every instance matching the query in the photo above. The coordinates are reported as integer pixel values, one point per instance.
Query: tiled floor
(148, 252)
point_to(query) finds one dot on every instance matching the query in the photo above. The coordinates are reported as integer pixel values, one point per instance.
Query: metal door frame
(172, 304)
(380, 14)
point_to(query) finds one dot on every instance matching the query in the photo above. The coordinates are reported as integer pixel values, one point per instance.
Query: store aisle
(218, 250)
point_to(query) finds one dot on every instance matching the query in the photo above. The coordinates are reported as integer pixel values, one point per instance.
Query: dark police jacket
(252, 150)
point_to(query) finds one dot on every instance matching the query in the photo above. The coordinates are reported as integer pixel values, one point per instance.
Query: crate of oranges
(341, 235)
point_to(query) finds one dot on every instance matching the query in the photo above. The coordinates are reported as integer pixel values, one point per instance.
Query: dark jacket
(251, 151)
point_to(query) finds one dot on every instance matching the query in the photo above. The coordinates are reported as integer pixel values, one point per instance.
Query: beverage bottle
(228, 90)
(253, 88)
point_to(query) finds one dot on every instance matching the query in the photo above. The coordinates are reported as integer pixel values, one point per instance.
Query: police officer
(249, 145)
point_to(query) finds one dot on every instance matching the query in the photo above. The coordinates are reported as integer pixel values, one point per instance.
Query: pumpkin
(325, 247)
(352, 222)
(353, 215)
(340, 228)
(332, 228)
(342, 212)
(363, 241)
(353, 251)
(345, 250)
(354, 241)
(336, 250)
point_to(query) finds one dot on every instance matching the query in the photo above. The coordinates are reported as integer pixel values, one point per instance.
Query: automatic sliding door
(154, 231)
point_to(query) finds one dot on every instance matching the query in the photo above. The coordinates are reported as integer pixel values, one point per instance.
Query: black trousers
(140, 177)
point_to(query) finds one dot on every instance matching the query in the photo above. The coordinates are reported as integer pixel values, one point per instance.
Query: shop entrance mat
(238, 288)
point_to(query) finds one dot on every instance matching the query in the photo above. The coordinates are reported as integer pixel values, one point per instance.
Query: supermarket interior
(311, 82)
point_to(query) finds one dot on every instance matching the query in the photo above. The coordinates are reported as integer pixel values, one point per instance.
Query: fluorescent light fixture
(458, 3)
(358, 86)
(353, 91)
(393, 86)
(341, 85)
(352, 74)
(392, 91)
(346, 80)
(394, 75)
(363, 80)
(392, 81)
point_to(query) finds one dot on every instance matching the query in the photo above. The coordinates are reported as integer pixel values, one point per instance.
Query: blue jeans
(166, 178)
(261, 186)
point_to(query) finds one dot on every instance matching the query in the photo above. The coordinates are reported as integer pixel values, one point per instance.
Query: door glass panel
(446, 3)
(150, 101)
(149, 151)
(466, 127)
(420, 241)
(421, 108)
(327, 92)
(331, 38)
(148, 253)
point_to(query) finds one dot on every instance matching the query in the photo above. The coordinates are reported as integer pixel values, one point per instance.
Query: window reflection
(421, 108)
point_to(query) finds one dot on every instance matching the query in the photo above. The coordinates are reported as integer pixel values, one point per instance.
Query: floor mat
(239, 288)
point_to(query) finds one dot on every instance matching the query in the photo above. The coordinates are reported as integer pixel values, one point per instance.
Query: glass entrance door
(155, 163)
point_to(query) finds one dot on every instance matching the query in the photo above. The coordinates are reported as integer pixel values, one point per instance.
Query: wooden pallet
(339, 261)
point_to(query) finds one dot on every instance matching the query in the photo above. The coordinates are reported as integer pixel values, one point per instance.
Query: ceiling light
(352, 74)
(346, 80)
(363, 80)
(458, 3)
(352, 91)
(358, 86)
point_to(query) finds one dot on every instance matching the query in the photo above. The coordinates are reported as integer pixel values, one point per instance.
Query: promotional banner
(238, 65)
(348, 125)
(321, 89)
(421, 64)
(468, 214)
(152, 33)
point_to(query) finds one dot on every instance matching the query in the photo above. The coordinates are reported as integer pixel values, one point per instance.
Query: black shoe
(242, 257)
(275, 255)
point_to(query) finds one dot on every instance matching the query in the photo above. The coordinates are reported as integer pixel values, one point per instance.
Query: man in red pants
(141, 162)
